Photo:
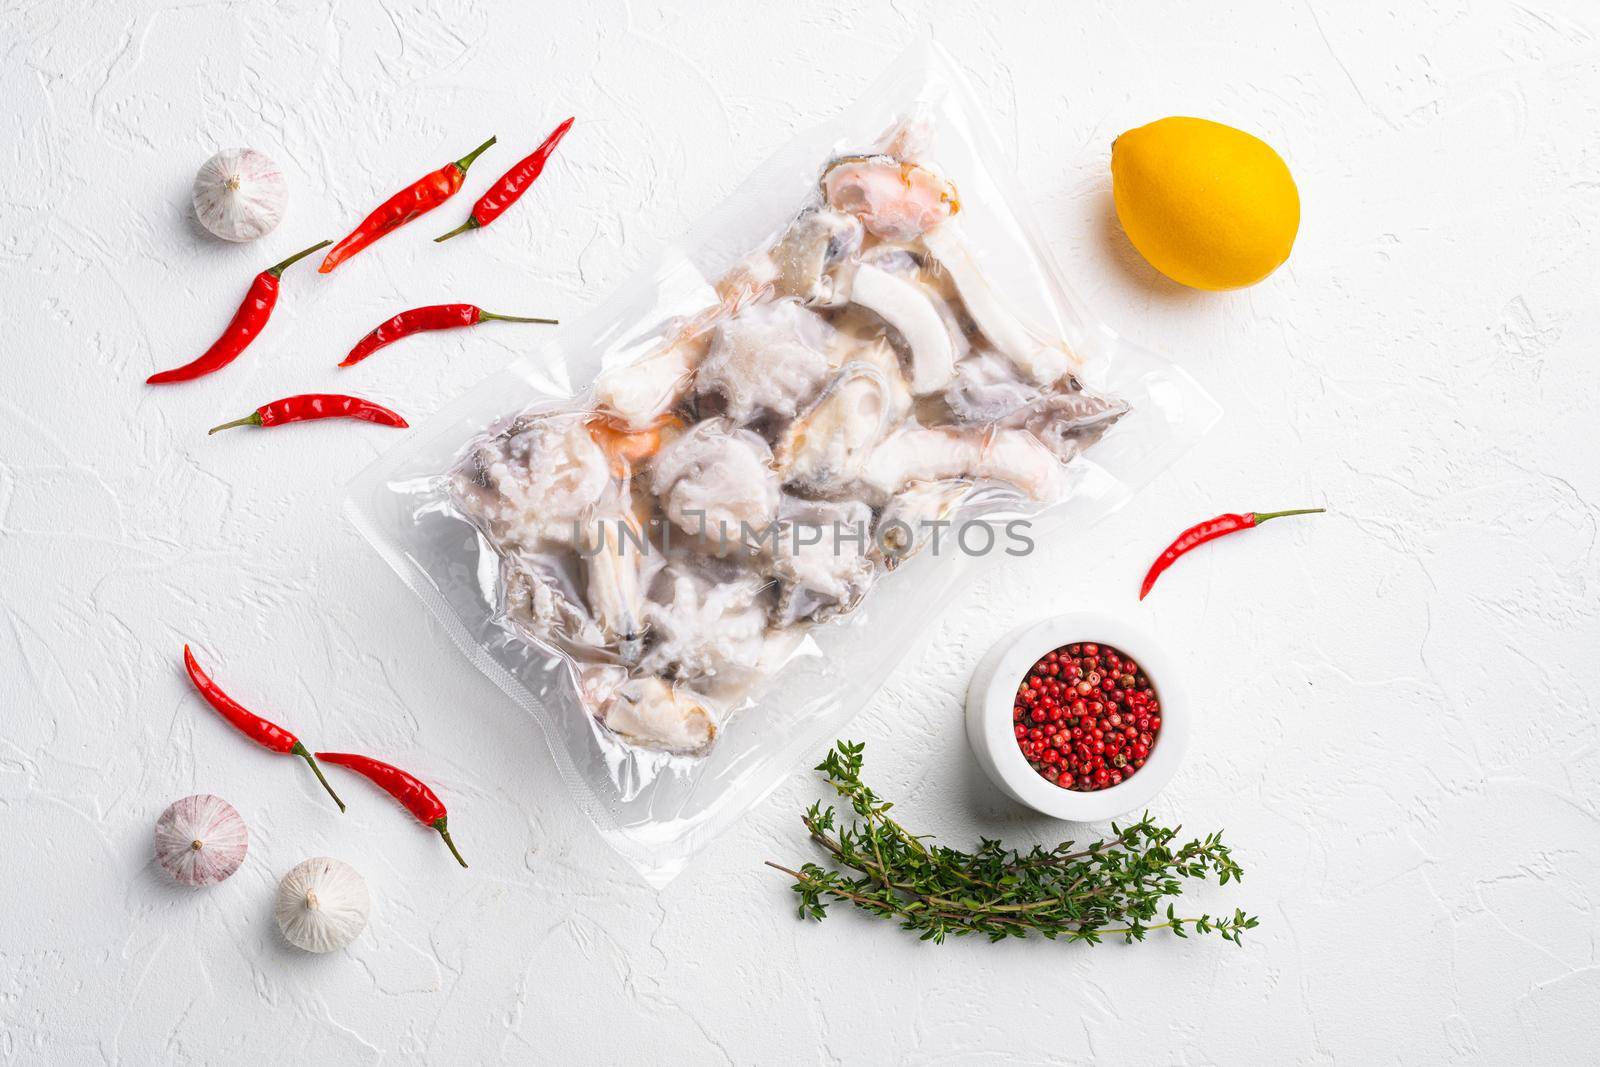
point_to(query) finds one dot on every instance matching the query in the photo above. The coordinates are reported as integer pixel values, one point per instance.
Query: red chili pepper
(512, 184)
(408, 790)
(432, 317)
(310, 406)
(418, 198)
(1210, 530)
(266, 734)
(253, 313)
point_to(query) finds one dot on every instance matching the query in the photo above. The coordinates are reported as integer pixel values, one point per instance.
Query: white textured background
(1400, 734)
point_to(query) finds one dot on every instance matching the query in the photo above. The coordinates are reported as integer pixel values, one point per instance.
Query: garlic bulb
(239, 194)
(201, 840)
(322, 905)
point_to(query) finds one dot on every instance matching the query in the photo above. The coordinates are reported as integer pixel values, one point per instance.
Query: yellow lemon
(1208, 205)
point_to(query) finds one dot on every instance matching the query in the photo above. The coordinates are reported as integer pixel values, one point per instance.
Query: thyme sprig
(1113, 887)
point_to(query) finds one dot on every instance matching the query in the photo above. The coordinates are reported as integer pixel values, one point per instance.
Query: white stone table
(1400, 697)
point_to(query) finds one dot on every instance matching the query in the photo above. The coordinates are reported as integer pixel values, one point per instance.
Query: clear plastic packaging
(692, 533)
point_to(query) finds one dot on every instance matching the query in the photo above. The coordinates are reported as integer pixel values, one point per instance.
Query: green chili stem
(441, 824)
(277, 270)
(252, 419)
(300, 750)
(484, 315)
(1263, 516)
(470, 224)
(466, 161)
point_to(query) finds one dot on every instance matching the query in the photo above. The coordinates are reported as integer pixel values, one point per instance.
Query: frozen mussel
(895, 199)
(823, 451)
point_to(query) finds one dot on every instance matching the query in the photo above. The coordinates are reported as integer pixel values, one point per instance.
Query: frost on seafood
(987, 388)
(709, 621)
(532, 482)
(820, 556)
(716, 480)
(769, 357)
(640, 394)
(854, 387)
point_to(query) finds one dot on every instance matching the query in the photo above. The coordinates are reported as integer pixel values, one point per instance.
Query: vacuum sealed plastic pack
(693, 533)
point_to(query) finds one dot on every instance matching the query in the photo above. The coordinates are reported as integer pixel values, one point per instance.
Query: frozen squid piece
(922, 454)
(894, 199)
(769, 357)
(715, 480)
(1014, 457)
(736, 682)
(1043, 361)
(912, 263)
(747, 281)
(910, 310)
(732, 685)
(1018, 459)
(863, 340)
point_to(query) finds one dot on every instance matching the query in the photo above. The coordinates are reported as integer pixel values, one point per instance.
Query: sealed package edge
(694, 532)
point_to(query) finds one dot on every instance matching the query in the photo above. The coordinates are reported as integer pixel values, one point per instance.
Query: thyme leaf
(1110, 888)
